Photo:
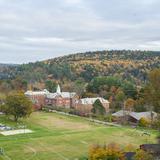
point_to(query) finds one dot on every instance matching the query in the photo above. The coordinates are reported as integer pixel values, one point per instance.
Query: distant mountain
(7, 65)
(126, 64)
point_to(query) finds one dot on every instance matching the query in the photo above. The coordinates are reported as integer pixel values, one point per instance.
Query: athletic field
(60, 137)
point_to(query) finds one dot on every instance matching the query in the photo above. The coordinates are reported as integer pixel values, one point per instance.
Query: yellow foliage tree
(111, 151)
(142, 155)
(143, 122)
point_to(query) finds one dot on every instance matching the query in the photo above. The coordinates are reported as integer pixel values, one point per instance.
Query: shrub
(156, 123)
(129, 148)
(108, 118)
(143, 122)
(142, 155)
(109, 152)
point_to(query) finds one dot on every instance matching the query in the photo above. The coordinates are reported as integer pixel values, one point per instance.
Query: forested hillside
(114, 75)
(128, 65)
(6, 70)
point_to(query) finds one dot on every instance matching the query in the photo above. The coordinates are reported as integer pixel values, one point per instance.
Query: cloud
(73, 1)
(35, 30)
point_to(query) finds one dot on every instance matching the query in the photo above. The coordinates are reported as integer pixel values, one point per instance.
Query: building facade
(61, 99)
(37, 98)
(66, 100)
(57, 99)
(85, 105)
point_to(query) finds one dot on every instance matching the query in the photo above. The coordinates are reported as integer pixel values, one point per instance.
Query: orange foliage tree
(129, 104)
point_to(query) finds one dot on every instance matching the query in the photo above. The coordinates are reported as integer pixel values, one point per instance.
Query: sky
(34, 30)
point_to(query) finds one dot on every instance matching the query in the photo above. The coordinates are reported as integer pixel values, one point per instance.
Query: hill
(114, 75)
(125, 64)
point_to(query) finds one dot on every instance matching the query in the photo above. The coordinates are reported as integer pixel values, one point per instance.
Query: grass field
(59, 137)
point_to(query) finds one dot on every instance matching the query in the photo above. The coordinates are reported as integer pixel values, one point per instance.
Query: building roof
(31, 93)
(139, 115)
(151, 148)
(136, 115)
(129, 155)
(92, 100)
(120, 113)
(62, 94)
(59, 93)
(51, 95)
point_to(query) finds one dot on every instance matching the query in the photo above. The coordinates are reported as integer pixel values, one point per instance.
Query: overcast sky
(32, 30)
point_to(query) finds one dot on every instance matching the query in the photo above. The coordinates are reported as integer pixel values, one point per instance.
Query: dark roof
(129, 155)
(151, 148)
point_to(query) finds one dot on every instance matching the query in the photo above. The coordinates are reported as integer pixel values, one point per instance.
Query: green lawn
(58, 137)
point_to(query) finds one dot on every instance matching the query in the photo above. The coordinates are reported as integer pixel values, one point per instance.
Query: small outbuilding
(153, 149)
(133, 116)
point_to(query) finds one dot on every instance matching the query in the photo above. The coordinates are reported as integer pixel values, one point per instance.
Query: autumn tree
(106, 152)
(142, 155)
(129, 104)
(19, 84)
(156, 124)
(152, 90)
(120, 96)
(129, 148)
(140, 105)
(18, 105)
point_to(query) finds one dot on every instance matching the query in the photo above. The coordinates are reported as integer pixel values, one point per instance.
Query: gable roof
(61, 94)
(139, 115)
(151, 148)
(31, 93)
(120, 113)
(92, 100)
(136, 115)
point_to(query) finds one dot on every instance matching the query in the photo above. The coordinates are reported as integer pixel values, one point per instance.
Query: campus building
(66, 100)
(57, 99)
(37, 98)
(85, 105)
(61, 99)
(133, 117)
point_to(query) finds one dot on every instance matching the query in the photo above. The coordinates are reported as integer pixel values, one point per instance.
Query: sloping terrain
(125, 64)
(59, 137)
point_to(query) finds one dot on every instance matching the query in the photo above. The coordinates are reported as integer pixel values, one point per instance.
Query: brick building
(57, 99)
(85, 105)
(64, 100)
(61, 99)
(37, 97)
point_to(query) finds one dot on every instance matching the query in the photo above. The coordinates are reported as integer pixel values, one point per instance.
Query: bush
(83, 158)
(143, 122)
(109, 152)
(156, 123)
(142, 155)
(45, 109)
(108, 118)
